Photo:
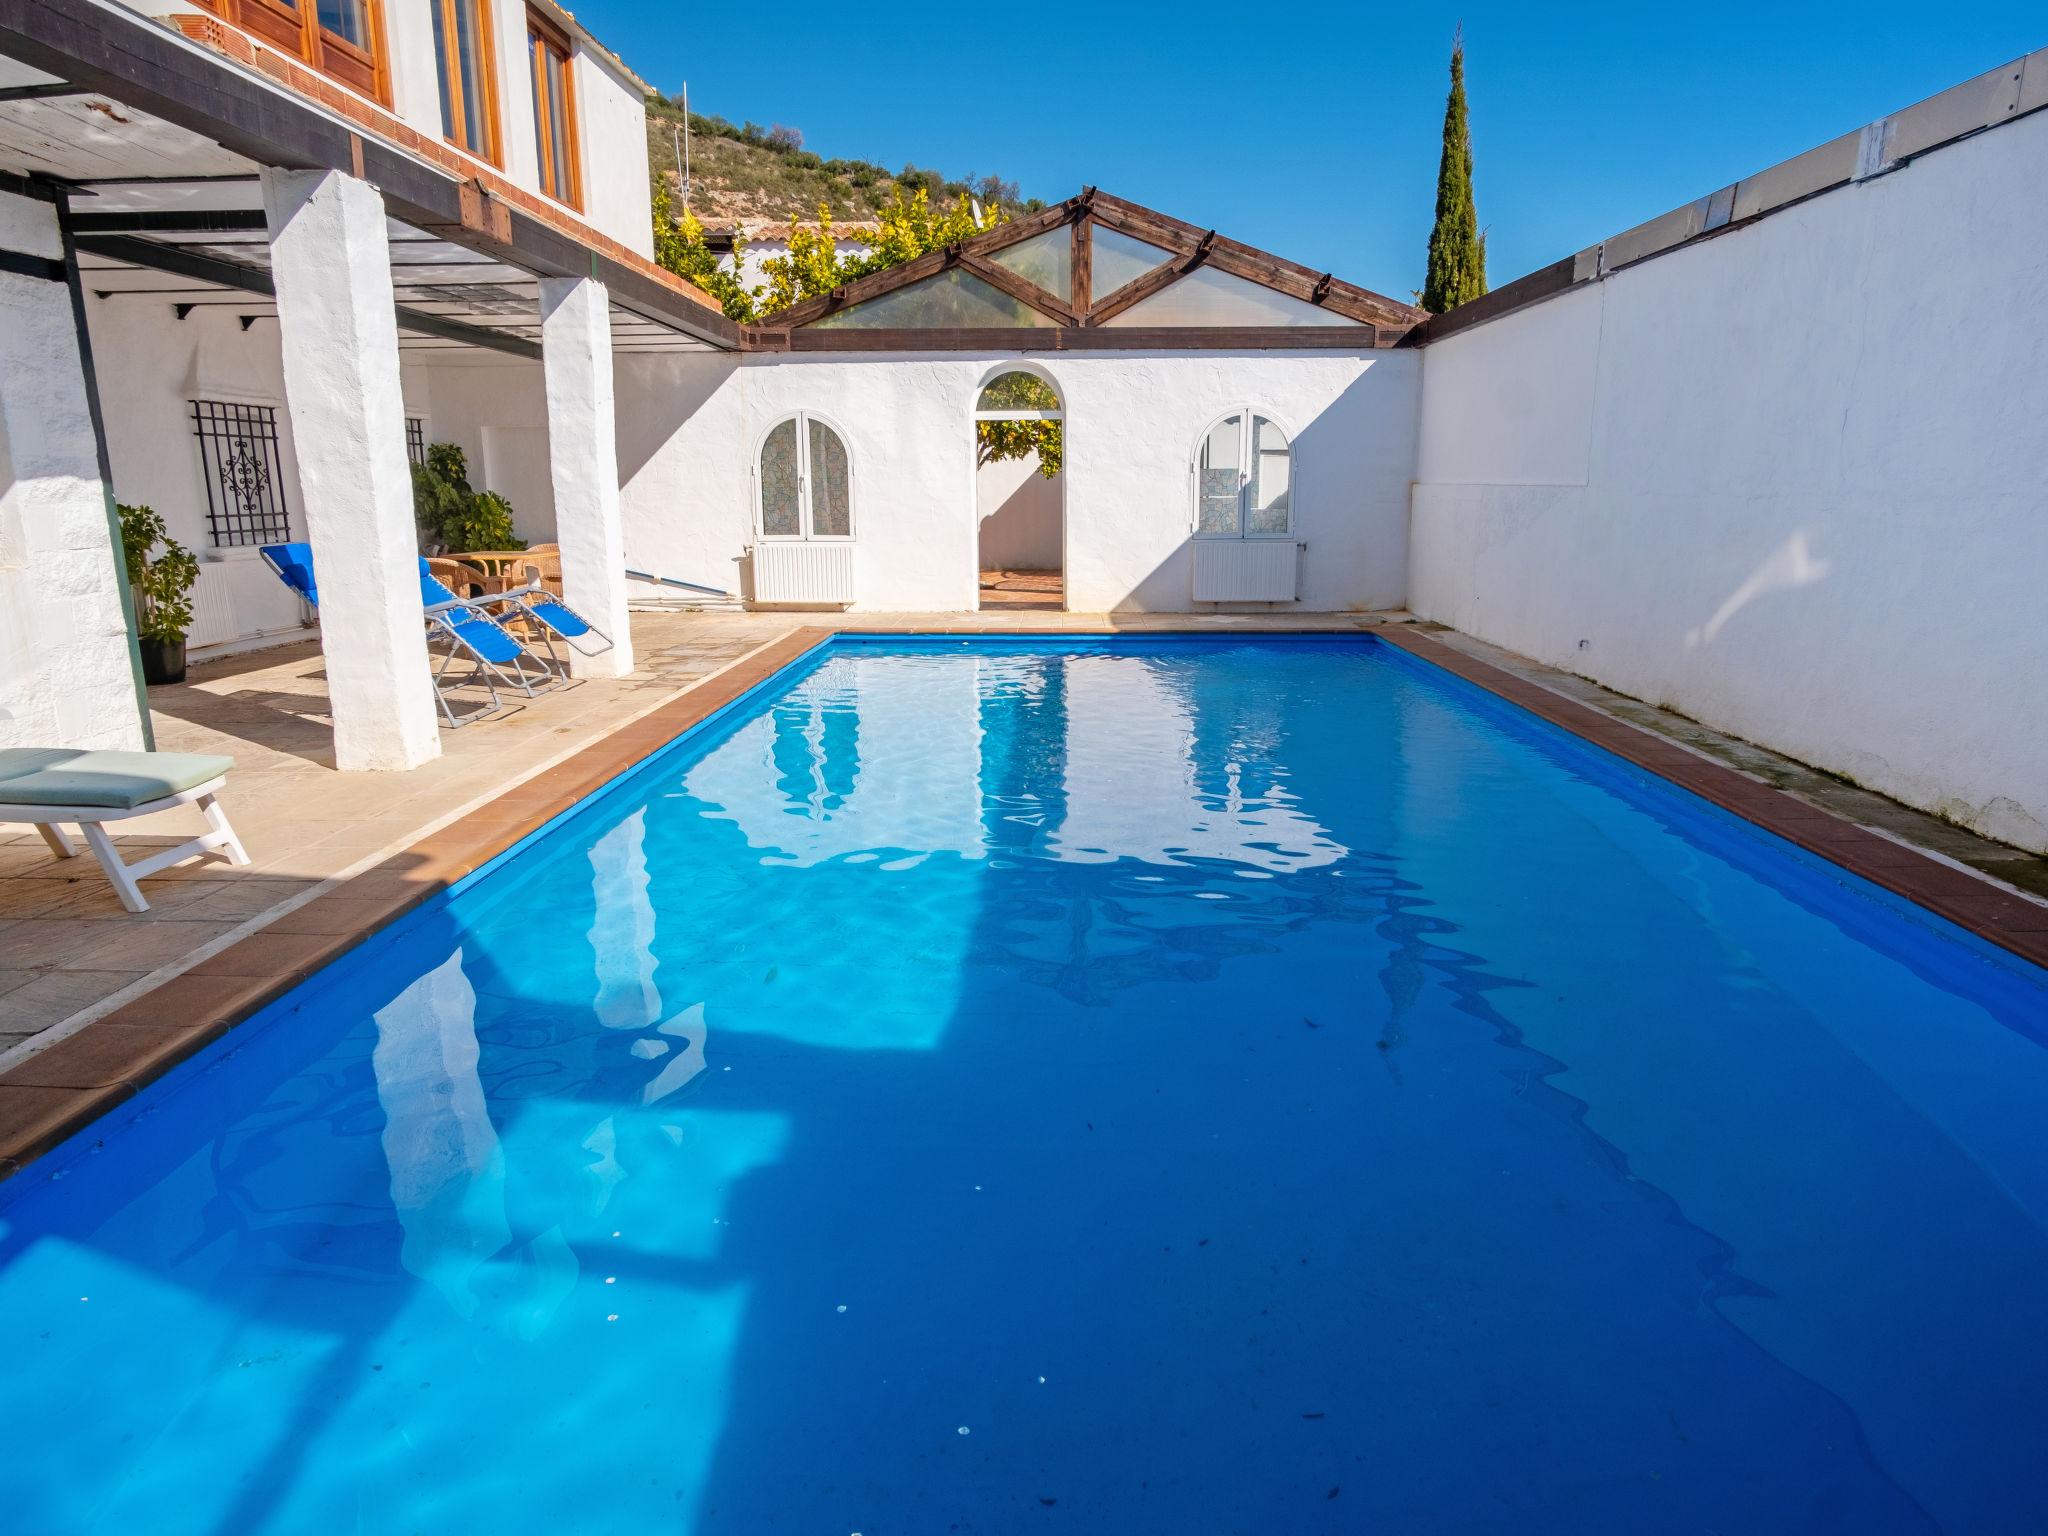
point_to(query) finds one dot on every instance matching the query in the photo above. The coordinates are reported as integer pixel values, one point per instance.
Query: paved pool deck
(95, 1001)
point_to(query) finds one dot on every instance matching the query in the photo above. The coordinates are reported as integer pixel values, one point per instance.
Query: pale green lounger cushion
(117, 780)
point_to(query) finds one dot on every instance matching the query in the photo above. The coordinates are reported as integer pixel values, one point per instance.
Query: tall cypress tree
(1457, 250)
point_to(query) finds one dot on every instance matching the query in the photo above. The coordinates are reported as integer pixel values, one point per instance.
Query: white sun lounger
(48, 786)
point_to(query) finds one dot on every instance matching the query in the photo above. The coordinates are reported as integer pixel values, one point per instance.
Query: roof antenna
(681, 137)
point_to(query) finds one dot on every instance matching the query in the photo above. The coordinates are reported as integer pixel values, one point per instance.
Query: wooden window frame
(293, 26)
(450, 65)
(568, 190)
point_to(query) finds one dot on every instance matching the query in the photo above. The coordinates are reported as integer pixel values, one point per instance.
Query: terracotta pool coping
(1968, 900)
(59, 1091)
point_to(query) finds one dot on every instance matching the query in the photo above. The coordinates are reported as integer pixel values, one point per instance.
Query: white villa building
(1775, 459)
(747, 248)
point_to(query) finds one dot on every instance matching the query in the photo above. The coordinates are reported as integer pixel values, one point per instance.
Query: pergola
(137, 163)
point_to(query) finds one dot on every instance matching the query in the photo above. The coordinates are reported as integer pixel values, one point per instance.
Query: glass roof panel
(950, 300)
(1047, 260)
(1207, 296)
(1119, 258)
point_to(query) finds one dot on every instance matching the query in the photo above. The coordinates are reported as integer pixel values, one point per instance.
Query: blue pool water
(1158, 1086)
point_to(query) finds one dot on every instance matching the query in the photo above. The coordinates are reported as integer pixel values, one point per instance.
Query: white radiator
(1246, 570)
(240, 598)
(213, 607)
(803, 571)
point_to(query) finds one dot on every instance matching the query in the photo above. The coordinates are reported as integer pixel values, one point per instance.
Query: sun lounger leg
(110, 860)
(60, 845)
(224, 837)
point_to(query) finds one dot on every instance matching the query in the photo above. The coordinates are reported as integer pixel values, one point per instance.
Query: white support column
(332, 266)
(66, 674)
(583, 457)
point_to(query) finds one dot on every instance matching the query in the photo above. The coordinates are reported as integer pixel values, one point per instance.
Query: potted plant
(454, 517)
(163, 587)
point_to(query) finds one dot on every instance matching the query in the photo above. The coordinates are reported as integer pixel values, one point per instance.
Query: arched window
(803, 481)
(1243, 479)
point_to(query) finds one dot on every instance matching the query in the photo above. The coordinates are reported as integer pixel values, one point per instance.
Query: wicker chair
(462, 578)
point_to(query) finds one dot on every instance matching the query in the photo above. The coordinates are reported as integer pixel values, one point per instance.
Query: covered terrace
(139, 167)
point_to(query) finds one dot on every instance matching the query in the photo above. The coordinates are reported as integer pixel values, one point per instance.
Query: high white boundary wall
(1791, 481)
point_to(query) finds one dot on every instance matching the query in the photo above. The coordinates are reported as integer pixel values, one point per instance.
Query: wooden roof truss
(1358, 316)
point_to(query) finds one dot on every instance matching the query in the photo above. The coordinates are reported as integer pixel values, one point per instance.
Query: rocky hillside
(766, 175)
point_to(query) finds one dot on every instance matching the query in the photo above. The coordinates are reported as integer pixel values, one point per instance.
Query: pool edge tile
(33, 1119)
(1971, 901)
(138, 1042)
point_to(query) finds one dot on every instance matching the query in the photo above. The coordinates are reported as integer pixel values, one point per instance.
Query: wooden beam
(997, 236)
(171, 222)
(1000, 277)
(1286, 338)
(1144, 224)
(20, 264)
(1081, 262)
(1143, 286)
(1136, 291)
(889, 279)
(42, 92)
(1345, 300)
(245, 279)
(872, 286)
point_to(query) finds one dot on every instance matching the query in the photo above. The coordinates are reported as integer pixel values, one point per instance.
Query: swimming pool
(1162, 1084)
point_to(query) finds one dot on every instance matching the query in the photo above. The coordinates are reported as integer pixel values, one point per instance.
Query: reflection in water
(1154, 776)
(1147, 773)
(447, 1170)
(622, 931)
(622, 937)
(1242, 1084)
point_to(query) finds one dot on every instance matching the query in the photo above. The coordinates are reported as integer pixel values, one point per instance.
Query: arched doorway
(1020, 489)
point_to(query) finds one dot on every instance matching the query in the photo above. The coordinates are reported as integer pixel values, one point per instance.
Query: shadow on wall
(657, 394)
(1018, 514)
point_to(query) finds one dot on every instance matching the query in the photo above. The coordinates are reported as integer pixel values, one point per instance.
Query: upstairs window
(554, 112)
(1244, 473)
(343, 39)
(469, 96)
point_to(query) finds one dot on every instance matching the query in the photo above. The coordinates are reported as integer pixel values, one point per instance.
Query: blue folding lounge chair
(554, 620)
(470, 629)
(548, 617)
(463, 629)
(466, 628)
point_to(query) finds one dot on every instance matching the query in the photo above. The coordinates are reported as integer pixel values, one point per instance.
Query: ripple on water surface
(1235, 1085)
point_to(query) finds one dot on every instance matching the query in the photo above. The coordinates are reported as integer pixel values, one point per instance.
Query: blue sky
(1314, 132)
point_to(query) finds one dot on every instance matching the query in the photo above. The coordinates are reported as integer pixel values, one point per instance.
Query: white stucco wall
(66, 677)
(1020, 515)
(758, 253)
(1133, 422)
(689, 428)
(153, 366)
(1788, 481)
(614, 133)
